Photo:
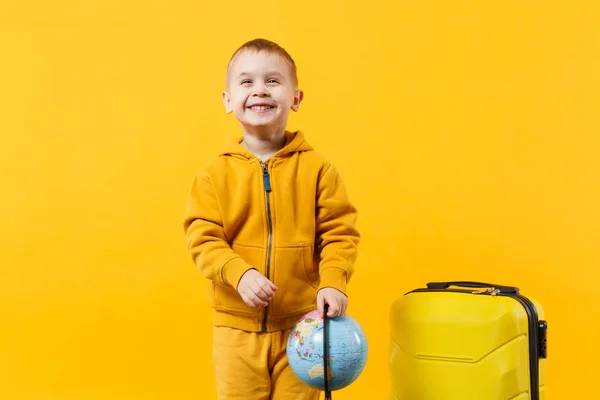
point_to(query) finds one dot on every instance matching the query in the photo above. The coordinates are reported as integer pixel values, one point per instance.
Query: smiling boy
(269, 223)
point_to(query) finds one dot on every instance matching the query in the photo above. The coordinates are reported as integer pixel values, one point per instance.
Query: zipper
(533, 323)
(491, 291)
(267, 187)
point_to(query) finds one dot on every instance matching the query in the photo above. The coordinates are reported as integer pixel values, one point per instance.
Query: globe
(347, 351)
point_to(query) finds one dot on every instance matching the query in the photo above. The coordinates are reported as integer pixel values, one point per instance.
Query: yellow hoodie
(289, 217)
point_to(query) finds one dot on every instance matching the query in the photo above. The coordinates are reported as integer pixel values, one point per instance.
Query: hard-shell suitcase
(467, 341)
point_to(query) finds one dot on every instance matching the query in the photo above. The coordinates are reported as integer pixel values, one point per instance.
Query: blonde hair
(258, 45)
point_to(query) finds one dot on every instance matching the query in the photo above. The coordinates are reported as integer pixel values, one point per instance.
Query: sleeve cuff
(335, 278)
(233, 271)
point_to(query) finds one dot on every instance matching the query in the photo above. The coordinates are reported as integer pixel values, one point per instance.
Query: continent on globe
(306, 326)
(318, 371)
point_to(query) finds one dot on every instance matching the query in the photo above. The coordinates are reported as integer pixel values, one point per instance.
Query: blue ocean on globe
(347, 351)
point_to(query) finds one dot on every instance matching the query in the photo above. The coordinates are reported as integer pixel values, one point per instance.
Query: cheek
(291, 96)
(240, 102)
(285, 99)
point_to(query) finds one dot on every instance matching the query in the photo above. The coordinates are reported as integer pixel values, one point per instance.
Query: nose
(261, 91)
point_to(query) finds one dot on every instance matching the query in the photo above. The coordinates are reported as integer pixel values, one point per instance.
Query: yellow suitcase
(467, 341)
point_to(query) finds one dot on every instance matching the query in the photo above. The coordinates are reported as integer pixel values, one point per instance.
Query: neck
(264, 144)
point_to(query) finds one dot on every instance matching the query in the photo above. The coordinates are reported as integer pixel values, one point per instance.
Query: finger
(254, 301)
(259, 301)
(247, 300)
(343, 305)
(334, 308)
(272, 285)
(338, 311)
(258, 290)
(340, 307)
(265, 285)
(320, 304)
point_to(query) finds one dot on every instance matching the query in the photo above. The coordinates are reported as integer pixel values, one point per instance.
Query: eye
(273, 81)
(245, 81)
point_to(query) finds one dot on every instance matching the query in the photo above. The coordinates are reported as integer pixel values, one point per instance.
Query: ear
(298, 97)
(227, 102)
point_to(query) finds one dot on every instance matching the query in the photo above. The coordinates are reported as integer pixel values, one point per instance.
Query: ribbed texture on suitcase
(460, 346)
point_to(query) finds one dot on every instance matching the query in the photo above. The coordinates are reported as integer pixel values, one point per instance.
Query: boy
(270, 225)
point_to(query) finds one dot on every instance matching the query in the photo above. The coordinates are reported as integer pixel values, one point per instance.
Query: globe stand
(326, 352)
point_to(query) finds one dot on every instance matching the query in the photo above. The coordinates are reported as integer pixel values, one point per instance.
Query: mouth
(261, 108)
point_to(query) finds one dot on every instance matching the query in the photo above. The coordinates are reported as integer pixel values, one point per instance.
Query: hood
(294, 142)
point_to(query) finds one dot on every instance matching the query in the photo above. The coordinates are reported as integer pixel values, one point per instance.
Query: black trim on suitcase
(537, 328)
(543, 329)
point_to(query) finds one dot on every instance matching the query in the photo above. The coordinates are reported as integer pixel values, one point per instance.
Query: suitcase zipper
(490, 291)
(532, 318)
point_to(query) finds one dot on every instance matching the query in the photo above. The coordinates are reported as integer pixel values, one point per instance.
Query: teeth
(260, 108)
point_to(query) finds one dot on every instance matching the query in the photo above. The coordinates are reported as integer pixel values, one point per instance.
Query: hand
(256, 290)
(338, 302)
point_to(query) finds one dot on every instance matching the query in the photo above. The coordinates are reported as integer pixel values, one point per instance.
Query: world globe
(347, 351)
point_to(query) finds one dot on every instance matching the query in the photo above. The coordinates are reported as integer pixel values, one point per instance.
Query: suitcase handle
(478, 285)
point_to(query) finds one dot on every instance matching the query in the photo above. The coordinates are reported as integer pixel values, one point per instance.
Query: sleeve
(205, 236)
(337, 236)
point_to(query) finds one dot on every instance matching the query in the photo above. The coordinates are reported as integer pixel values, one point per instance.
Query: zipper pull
(492, 291)
(266, 178)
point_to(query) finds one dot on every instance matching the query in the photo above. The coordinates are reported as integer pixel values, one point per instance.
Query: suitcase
(467, 341)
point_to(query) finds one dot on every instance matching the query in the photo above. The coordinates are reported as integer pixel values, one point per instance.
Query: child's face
(261, 91)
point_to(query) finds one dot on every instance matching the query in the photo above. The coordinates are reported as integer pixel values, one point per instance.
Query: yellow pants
(254, 366)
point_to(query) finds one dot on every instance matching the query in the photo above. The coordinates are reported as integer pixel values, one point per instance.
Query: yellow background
(467, 133)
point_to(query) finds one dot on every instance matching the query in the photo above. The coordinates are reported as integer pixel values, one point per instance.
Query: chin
(260, 126)
(259, 122)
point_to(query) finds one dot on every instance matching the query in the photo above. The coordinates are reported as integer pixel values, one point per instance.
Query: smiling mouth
(261, 108)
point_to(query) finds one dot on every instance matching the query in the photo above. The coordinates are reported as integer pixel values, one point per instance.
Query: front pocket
(226, 297)
(254, 256)
(293, 273)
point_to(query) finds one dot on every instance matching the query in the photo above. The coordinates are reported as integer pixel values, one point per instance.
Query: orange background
(467, 134)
